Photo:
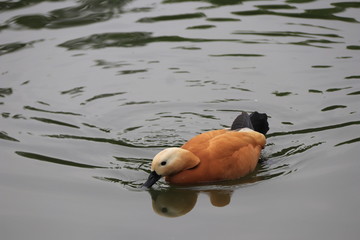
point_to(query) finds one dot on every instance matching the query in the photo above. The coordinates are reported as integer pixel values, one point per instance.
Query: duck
(212, 156)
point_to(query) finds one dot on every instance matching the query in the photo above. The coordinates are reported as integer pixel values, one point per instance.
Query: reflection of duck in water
(215, 155)
(178, 202)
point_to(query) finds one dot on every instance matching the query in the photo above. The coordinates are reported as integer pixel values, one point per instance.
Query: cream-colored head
(173, 160)
(170, 161)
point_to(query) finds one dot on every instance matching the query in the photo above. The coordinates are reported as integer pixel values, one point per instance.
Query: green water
(91, 90)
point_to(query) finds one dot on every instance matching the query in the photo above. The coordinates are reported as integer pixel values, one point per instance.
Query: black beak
(152, 179)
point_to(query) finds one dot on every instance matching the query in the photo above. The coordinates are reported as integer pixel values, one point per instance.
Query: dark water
(91, 90)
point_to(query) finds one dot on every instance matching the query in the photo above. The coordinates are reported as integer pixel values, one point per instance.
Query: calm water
(90, 90)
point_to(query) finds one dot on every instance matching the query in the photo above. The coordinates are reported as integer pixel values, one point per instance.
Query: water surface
(91, 90)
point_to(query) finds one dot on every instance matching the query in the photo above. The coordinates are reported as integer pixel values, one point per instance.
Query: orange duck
(212, 156)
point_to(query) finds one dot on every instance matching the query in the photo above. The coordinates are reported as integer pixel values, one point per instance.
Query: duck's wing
(203, 140)
(224, 140)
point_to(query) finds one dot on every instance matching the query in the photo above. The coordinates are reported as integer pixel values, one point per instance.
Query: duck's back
(223, 155)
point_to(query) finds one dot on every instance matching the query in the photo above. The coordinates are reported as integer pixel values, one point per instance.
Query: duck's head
(170, 161)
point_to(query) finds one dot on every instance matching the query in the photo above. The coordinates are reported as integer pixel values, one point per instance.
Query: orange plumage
(223, 155)
(215, 155)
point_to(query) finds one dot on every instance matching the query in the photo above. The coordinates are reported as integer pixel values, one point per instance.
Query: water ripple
(102, 140)
(214, 2)
(353, 77)
(354, 93)
(223, 20)
(56, 122)
(138, 103)
(134, 71)
(348, 142)
(171, 17)
(104, 95)
(5, 92)
(107, 64)
(353, 47)
(86, 12)
(128, 39)
(324, 13)
(312, 38)
(317, 129)
(333, 107)
(294, 150)
(15, 46)
(11, 5)
(74, 91)
(44, 158)
(49, 111)
(197, 27)
(288, 34)
(5, 136)
(237, 55)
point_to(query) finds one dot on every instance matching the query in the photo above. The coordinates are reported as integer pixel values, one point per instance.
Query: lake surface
(91, 90)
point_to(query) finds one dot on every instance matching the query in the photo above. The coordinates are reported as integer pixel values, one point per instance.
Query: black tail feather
(256, 121)
(242, 121)
(259, 121)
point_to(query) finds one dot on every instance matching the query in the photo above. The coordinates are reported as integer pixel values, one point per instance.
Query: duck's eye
(163, 163)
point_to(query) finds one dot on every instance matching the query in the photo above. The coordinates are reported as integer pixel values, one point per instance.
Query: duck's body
(223, 155)
(213, 156)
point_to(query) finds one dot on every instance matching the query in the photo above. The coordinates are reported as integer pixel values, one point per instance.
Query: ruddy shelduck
(217, 155)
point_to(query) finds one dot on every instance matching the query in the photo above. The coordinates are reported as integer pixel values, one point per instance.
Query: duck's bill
(152, 179)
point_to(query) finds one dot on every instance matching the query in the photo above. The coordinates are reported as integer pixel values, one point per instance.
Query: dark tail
(256, 121)
(242, 121)
(259, 121)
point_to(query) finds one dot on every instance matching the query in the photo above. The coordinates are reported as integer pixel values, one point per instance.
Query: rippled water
(91, 90)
